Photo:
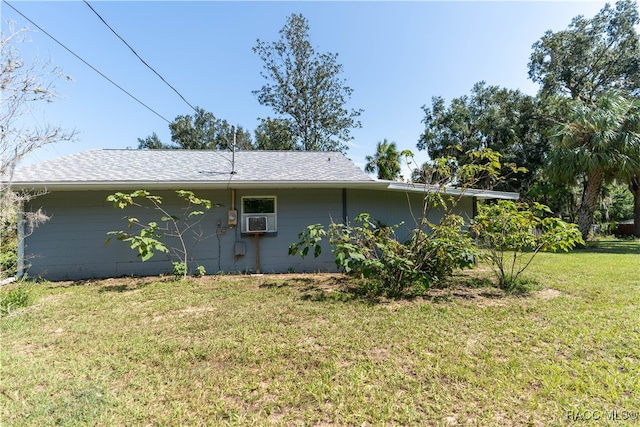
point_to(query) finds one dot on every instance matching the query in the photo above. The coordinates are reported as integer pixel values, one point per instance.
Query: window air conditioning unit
(256, 224)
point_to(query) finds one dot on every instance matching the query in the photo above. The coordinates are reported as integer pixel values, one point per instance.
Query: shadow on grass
(122, 284)
(611, 246)
(321, 288)
(121, 288)
(459, 287)
(345, 294)
(273, 285)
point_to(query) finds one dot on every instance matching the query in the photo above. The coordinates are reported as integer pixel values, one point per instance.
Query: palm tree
(634, 187)
(598, 142)
(386, 161)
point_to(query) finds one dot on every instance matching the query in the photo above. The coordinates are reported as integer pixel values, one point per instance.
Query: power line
(86, 63)
(138, 56)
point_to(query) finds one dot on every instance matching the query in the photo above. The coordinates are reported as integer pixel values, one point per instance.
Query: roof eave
(191, 185)
(231, 184)
(471, 192)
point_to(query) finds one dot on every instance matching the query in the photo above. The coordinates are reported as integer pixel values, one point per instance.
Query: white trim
(272, 217)
(471, 192)
(170, 185)
(257, 185)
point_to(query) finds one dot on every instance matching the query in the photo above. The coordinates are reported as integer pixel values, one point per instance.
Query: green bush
(8, 249)
(179, 269)
(370, 251)
(8, 259)
(444, 249)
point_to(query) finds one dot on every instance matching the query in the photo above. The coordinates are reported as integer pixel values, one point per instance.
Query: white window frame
(272, 217)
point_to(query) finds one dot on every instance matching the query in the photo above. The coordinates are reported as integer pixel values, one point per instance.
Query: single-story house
(268, 198)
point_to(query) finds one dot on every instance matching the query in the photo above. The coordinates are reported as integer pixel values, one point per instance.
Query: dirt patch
(548, 293)
(194, 310)
(379, 353)
(482, 297)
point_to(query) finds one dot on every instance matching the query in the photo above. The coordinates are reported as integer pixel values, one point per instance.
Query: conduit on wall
(257, 253)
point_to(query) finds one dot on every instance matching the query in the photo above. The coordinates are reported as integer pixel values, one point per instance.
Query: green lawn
(304, 350)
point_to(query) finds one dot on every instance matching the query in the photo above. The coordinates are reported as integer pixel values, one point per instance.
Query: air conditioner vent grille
(257, 224)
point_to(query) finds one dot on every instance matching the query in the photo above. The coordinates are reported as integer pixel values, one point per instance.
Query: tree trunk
(590, 196)
(634, 187)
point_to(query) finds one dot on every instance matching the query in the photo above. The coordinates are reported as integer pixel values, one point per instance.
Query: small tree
(511, 234)
(24, 85)
(150, 237)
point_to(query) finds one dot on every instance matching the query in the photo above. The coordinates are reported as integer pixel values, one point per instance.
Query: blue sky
(396, 57)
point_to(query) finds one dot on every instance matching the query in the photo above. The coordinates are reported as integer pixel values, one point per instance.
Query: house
(268, 196)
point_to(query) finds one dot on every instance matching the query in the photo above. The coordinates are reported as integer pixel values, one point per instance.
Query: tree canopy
(199, 131)
(596, 64)
(599, 141)
(385, 161)
(274, 134)
(305, 90)
(591, 55)
(501, 119)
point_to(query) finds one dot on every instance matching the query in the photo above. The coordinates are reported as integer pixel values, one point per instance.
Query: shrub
(370, 251)
(511, 234)
(8, 246)
(179, 269)
(8, 257)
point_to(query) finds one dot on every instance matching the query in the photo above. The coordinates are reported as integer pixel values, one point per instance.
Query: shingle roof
(191, 169)
(108, 167)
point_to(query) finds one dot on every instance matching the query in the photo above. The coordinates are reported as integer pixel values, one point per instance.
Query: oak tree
(591, 55)
(201, 130)
(503, 120)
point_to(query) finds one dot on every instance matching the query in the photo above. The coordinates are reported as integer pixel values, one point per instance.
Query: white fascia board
(471, 192)
(190, 185)
(239, 185)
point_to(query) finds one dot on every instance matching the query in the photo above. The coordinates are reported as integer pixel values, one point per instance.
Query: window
(259, 214)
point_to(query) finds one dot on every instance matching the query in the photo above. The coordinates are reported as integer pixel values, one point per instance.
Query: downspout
(344, 206)
(474, 207)
(21, 236)
(233, 199)
(474, 213)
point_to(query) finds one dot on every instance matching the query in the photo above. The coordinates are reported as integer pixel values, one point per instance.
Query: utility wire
(138, 56)
(86, 63)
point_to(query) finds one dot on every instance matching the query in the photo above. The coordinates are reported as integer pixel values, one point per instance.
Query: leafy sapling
(511, 234)
(151, 237)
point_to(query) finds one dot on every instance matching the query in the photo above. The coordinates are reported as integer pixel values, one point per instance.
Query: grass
(14, 298)
(306, 350)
